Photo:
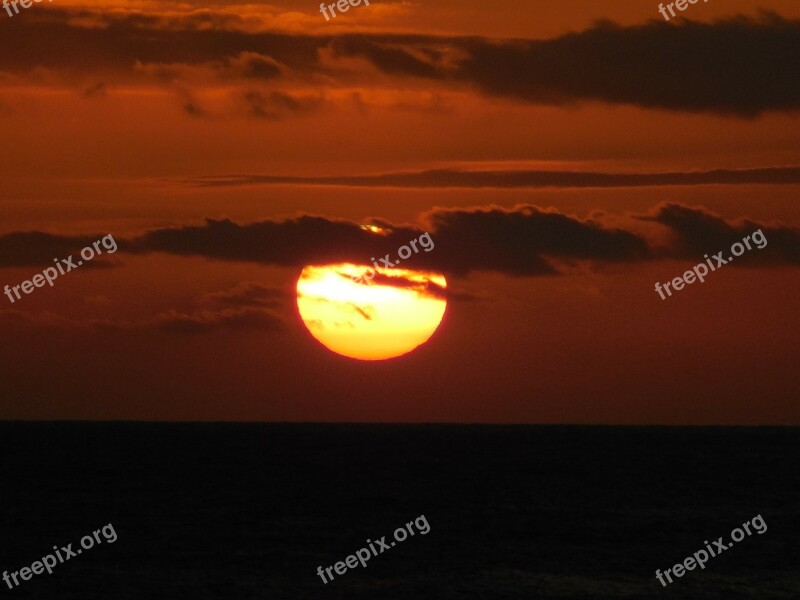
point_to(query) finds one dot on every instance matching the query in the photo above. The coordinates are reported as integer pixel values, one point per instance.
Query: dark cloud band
(739, 66)
(524, 241)
(454, 178)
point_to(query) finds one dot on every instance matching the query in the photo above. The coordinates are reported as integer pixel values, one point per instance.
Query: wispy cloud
(455, 178)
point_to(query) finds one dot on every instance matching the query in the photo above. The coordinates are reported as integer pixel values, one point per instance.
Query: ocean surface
(249, 511)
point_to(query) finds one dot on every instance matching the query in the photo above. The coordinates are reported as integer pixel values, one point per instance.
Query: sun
(397, 311)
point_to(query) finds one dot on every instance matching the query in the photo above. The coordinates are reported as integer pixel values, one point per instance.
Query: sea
(231, 511)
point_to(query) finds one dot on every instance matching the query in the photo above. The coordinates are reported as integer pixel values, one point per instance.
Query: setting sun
(388, 317)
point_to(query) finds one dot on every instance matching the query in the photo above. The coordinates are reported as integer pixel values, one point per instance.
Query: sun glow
(389, 317)
(375, 229)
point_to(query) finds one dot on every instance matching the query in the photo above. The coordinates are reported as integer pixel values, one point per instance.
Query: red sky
(564, 155)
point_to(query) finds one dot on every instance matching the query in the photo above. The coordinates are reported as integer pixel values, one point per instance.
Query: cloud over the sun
(526, 240)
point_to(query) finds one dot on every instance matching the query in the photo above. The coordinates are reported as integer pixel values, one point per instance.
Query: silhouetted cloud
(293, 242)
(512, 241)
(38, 249)
(698, 231)
(367, 313)
(83, 41)
(440, 178)
(738, 66)
(522, 241)
(394, 279)
(733, 66)
(515, 240)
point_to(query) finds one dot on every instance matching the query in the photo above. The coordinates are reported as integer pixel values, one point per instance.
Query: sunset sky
(564, 156)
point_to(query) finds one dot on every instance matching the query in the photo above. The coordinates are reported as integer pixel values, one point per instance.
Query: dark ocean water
(229, 511)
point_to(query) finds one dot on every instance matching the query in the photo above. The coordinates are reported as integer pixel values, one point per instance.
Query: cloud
(367, 313)
(394, 279)
(278, 105)
(88, 42)
(514, 241)
(244, 66)
(38, 249)
(526, 240)
(204, 321)
(698, 231)
(736, 66)
(509, 179)
(245, 294)
(246, 306)
(292, 242)
(252, 65)
(392, 59)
